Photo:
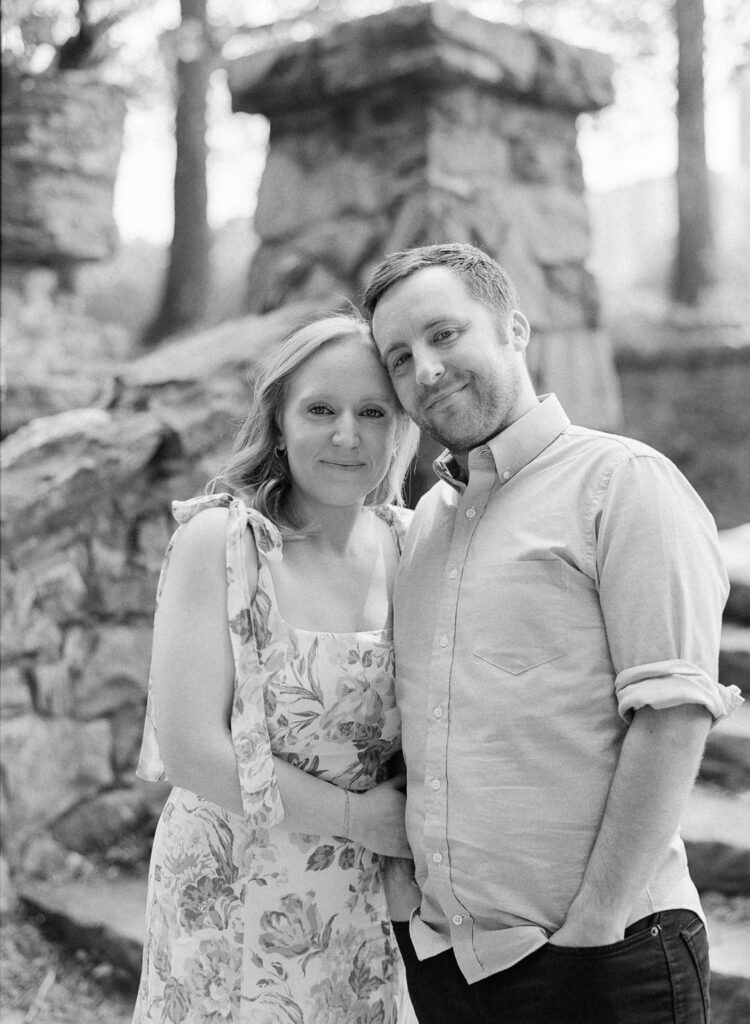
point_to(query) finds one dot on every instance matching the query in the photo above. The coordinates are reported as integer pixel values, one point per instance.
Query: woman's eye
(373, 413)
(445, 334)
(319, 410)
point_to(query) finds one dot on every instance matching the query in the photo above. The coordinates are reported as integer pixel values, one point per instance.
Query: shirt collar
(513, 448)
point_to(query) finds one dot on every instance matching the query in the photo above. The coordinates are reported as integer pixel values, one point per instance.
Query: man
(557, 612)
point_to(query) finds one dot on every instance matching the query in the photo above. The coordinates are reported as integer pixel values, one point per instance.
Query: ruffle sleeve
(261, 799)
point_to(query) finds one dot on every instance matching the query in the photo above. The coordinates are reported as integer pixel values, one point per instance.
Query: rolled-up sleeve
(662, 587)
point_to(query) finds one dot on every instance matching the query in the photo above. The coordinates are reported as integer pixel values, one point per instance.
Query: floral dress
(248, 921)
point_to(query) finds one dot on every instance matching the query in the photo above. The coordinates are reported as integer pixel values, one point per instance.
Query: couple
(546, 653)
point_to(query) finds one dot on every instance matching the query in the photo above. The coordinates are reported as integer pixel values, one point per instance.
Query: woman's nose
(345, 433)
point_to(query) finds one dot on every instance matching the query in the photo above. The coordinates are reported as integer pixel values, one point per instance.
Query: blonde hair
(256, 472)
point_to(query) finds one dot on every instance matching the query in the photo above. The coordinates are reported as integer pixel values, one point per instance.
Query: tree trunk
(694, 263)
(187, 284)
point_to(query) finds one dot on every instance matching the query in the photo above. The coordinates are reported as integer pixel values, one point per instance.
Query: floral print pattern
(248, 921)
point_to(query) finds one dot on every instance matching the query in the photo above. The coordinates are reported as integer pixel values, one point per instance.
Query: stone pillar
(427, 124)
(62, 136)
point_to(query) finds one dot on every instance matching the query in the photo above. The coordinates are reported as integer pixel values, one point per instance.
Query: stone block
(117, 674)
(473, 153)
(281, 208)
(15, 694)
(26, 398)
(570, 77)
(42, 856)
(123, 587)
(544, 160)
(215, 354)
(50, 765)
(577, 366)
(735, 550)
(60, 589)
(9, 900)
(734, 657)
(62, 138)
(152, 538)
(99, 823)
(514, 255)
(126, 723)
(730, 998)
(553, 220)
(419, 46)
(32, 634)
(726, 762)
(717, 867)
(58, 469)
(53, 693)
(78, 647)
(573, 298)
(341, 244)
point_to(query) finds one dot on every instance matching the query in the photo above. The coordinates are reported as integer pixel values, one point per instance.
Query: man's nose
(345, 434)
(428, 368)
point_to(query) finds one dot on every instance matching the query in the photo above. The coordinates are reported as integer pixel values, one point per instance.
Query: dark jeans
(657, 974)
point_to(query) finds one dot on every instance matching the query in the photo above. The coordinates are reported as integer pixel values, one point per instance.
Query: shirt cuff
(667, 684)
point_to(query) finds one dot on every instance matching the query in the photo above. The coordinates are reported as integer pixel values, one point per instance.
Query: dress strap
(261, 799)
(398, 518)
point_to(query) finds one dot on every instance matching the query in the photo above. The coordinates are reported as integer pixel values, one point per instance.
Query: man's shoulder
(617, 447)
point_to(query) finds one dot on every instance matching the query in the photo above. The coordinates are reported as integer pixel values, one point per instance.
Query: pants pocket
(694, 938)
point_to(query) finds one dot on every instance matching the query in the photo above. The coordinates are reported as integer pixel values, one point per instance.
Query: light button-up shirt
(574, 578)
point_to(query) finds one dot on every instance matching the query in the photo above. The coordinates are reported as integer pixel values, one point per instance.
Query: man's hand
(578, 930)
(401, 890)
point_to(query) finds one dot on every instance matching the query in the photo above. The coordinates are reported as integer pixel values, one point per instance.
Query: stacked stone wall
(86, 519)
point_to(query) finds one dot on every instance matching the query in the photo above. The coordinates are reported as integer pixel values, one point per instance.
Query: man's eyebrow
(428, 326)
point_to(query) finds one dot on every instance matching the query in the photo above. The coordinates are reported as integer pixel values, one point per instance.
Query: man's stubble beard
(504, 399)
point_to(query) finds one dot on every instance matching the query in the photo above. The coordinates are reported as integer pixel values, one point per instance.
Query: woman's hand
(401, 890)
(377, 818)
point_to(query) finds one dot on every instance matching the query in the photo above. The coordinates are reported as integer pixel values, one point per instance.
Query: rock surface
(85, 517)
(61, 143)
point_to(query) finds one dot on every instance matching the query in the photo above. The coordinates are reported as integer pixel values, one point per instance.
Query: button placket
(435, 824)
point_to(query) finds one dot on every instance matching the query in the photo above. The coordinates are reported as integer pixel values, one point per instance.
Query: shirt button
(444, 641)
(435, 785)
(457, 919)
(437, 711)
(506, 475)
(452, 574)
(470, 513)
(438, 858)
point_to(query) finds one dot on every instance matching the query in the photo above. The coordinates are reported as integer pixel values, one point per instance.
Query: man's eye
(398, 362)
(372, 413)
(445, 334)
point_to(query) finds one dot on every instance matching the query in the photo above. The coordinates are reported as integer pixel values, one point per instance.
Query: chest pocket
(517, 615)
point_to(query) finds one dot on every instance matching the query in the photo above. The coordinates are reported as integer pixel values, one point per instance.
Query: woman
(271, 697)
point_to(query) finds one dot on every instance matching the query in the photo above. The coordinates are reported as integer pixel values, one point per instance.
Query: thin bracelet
(346, 814)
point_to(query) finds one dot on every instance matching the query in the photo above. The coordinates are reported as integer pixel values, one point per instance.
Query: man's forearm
(655, 773)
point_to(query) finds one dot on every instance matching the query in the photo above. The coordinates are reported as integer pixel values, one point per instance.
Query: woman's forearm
(373, 819)
(210, 771)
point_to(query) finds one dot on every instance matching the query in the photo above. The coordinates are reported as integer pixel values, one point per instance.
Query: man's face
(457, 366)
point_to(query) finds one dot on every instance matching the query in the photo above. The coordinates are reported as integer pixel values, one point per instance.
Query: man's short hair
(483, 276)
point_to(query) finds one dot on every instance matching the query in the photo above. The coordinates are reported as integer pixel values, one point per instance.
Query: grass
(42, 982)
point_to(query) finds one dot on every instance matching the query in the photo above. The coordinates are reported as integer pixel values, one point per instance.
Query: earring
(280, 451)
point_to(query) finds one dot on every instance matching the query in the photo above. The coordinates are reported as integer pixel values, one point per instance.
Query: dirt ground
(41, 982)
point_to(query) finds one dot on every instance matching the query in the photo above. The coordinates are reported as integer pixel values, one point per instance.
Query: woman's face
(338, 423)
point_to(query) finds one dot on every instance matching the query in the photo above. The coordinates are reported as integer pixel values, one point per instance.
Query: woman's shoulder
(208, 519)
(398, 517)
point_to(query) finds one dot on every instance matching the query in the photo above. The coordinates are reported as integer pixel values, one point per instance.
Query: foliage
(56, 35)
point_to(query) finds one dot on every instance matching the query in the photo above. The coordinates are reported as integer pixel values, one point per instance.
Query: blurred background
(184, 181)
